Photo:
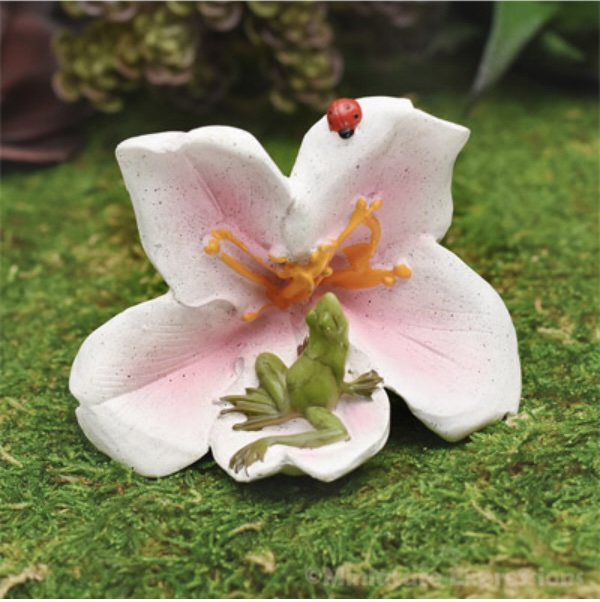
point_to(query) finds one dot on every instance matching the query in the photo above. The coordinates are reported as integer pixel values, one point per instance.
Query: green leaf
(514, 25)
(557, 46)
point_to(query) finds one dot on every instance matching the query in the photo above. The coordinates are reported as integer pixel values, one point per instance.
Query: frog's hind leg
(267, 404)
(328, 429)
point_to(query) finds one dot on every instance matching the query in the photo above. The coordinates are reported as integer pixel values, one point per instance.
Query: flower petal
(368, 424)
(183, 185)
(147, 343)
(398, 154)
(159, 429)
(147, 379)
(443, 340)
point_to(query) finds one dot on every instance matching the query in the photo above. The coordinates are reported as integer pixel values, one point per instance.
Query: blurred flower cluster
(263, 54)
(201, 49)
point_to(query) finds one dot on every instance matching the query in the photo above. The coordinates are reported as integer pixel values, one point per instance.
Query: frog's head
(326, 320)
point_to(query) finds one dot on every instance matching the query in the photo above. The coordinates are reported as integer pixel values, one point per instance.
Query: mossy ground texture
(510, 512)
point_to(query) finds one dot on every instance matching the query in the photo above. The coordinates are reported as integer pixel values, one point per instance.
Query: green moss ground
(512, 511)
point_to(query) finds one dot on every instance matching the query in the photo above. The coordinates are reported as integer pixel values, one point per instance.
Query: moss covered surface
(512, 511)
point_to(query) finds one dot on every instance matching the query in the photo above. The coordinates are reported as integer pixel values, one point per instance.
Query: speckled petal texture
(145, 343)
(443, 340)
(183, 185)
(368, 423)
(398, 154)
(147, 379)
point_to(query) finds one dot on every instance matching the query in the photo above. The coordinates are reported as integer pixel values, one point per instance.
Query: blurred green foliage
(559, 37)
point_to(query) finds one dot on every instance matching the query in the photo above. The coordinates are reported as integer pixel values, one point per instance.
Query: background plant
(293, 53)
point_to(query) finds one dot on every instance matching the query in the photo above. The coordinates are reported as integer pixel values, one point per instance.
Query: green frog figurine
(310, 388)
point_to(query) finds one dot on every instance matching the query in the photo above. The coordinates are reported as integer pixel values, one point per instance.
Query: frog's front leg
(267, 404)
(363, 386)
(328, 429)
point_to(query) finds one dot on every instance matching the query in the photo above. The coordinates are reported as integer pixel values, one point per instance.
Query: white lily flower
(246, 251)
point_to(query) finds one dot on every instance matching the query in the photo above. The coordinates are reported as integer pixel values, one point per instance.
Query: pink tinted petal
(183, 185)
(147, 380)
(162, 427)
(146, 343)
(398, 154)
(368, 423)
(443, 340)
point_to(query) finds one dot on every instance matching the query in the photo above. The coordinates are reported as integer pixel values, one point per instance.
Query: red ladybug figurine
(343, 115)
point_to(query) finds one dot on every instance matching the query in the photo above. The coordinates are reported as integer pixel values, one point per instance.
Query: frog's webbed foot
(255, 402)
(258, 407)
(249, 454)
(363, 386)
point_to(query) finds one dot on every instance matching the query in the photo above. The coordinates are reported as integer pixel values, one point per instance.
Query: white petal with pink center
(398, 154)
(148, 379)
(183, 185)
(443, 340)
